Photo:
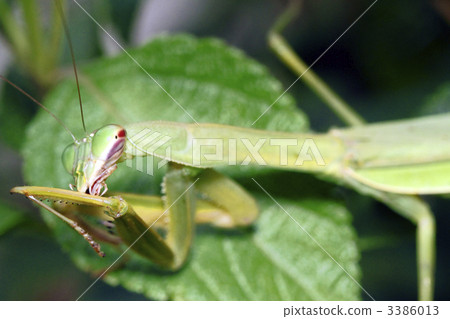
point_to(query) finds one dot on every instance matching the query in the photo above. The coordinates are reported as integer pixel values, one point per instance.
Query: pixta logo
(141, 148)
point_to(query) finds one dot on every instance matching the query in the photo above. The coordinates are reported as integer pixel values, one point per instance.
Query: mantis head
(94, 158)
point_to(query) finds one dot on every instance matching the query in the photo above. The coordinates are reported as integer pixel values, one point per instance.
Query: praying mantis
(362, 158)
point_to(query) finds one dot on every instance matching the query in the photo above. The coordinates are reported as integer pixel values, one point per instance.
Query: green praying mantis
(364, 157)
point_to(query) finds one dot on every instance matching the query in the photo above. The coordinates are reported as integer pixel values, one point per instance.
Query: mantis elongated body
(361, 158)
(345, 155)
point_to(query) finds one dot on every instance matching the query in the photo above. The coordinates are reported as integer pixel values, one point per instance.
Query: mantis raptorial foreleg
(80, 230)
(410, 207)
(222, 203)
(129, 225)
(136, 217)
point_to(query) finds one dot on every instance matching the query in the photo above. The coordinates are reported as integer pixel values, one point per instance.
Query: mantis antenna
(66, 30)
(58, 5)
(40, 104)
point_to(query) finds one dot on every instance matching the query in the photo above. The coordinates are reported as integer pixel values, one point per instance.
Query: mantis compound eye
(68, 157)
(108, 143)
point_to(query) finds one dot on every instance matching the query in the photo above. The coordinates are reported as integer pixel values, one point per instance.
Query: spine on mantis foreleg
(212, 145)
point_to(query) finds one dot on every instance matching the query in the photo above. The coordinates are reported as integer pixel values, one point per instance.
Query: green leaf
(276, 261)
(213, 83)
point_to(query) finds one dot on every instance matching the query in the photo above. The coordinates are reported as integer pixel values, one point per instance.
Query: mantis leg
(38, 194)
(79, 229)
(179, 202)
(239, 208)
(285, 52)
(410, 207)
(150, 208)
(426, 237)
(130, 227)
(235, 206)
(220, 202)
(175, 213)
(418, 212)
